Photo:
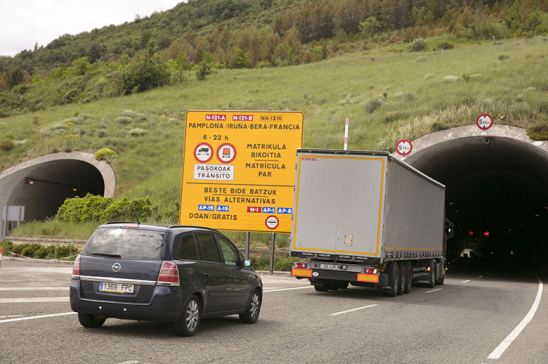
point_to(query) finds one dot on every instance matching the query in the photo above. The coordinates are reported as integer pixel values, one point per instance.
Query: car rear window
(126, 243)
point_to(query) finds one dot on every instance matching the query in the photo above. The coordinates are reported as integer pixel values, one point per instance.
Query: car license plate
(108, 287)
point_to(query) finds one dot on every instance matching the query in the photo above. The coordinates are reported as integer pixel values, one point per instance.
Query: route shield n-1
(239, 169)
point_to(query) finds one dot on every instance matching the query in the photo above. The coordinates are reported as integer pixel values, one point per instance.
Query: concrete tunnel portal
(41, 185)
(496, 191)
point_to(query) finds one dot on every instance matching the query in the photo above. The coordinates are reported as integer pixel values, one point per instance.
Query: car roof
(157, 227)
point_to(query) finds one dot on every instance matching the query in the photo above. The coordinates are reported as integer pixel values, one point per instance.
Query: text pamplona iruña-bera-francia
(240, 125)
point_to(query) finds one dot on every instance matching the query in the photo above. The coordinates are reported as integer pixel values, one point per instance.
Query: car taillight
(169, 274)
(370, 270)
(300, 265)
(76, 268)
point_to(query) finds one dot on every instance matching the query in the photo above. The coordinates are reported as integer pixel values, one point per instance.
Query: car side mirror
(247, 263)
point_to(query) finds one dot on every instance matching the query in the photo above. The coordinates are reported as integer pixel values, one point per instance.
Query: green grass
(57, 229)
(412, 93)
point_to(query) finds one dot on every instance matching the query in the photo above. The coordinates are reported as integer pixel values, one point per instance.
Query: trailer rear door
(339, 204)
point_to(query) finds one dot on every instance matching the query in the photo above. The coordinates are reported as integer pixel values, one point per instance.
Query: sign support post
(272, 252)
(346, 127)
(247, 244)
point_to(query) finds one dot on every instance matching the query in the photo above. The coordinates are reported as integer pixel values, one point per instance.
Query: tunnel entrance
(42, 185)
(496, 196)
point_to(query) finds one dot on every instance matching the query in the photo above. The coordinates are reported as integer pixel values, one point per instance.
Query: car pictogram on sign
(484, 121)
(272, 222)
(404, 147)
(203, 152)
(226, 153)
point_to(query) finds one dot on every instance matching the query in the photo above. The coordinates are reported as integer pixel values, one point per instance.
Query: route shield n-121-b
(239, 169)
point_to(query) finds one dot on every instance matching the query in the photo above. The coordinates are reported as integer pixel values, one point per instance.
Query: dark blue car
(179, 274)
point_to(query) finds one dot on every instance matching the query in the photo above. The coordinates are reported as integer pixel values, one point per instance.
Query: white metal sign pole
(346, 127)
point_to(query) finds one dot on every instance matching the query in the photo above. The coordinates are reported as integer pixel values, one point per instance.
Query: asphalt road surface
(472, 316)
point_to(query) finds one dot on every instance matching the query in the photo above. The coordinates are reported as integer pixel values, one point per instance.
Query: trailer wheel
(431, 282)
(324, 286)
(393, 280)
(441, 274)
(403, 277)
(409, 273)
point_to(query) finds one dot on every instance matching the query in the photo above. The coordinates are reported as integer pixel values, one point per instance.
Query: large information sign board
(239, 169)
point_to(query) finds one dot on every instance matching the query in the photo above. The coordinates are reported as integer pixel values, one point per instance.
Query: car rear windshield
(126, 243)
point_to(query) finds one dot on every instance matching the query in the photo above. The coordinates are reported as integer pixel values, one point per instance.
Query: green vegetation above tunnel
(388, 93)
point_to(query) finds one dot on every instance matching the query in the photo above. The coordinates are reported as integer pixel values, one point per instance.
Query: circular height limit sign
(484, 121)
(404, 147)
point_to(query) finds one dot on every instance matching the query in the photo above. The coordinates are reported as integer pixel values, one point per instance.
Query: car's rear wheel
(189, 322)
(92, 321)
(251, 314)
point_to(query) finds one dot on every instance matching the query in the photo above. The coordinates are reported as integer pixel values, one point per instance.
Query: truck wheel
(409, 272)
(342, 285)
(393, 280)
(320, 287)
(403, 277)
(441, 274)
(431, 282)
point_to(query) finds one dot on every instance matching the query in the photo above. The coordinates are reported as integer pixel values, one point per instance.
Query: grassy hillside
(388, 93)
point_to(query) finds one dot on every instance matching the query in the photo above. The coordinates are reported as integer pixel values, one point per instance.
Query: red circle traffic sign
(226, 153)
(203, 152)
(272, 222)
(404, 147)
(484, 121)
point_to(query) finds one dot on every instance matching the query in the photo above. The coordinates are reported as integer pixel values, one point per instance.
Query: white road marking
(352, 310)
(466, 281)
(285, 289)
(37, 317)
(9, 316)
(34, 299)
(129, 362)
(33, 289)
(497, 353)
(434, 290)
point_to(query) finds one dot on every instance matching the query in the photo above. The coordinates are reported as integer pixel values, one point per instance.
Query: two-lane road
(463, 321)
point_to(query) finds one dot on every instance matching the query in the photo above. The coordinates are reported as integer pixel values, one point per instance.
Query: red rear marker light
(76, 268)
(169, 274)
(370, 270)
(300, 265)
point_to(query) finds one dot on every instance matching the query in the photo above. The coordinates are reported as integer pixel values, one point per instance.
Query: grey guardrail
(20, 239)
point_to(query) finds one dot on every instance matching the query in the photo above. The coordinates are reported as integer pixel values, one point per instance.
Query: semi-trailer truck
(367, 219)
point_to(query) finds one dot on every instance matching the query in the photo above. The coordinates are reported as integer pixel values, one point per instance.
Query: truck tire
(403, 277)
(409, 273)
(441, 274)
(342, 285)
(431, 280)
(393, 280)
(321, 287)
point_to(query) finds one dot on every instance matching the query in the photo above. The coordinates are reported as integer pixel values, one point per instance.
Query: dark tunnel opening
(43, 188)
(496, 197)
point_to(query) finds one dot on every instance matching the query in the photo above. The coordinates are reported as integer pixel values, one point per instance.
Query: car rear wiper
(107, 255)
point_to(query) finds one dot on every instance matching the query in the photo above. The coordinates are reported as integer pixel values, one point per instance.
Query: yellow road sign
(239, 169)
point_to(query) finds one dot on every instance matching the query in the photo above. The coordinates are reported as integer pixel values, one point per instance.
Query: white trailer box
(365, 206)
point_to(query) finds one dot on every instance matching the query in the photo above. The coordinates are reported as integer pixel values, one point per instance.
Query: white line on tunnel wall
(497, 353)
